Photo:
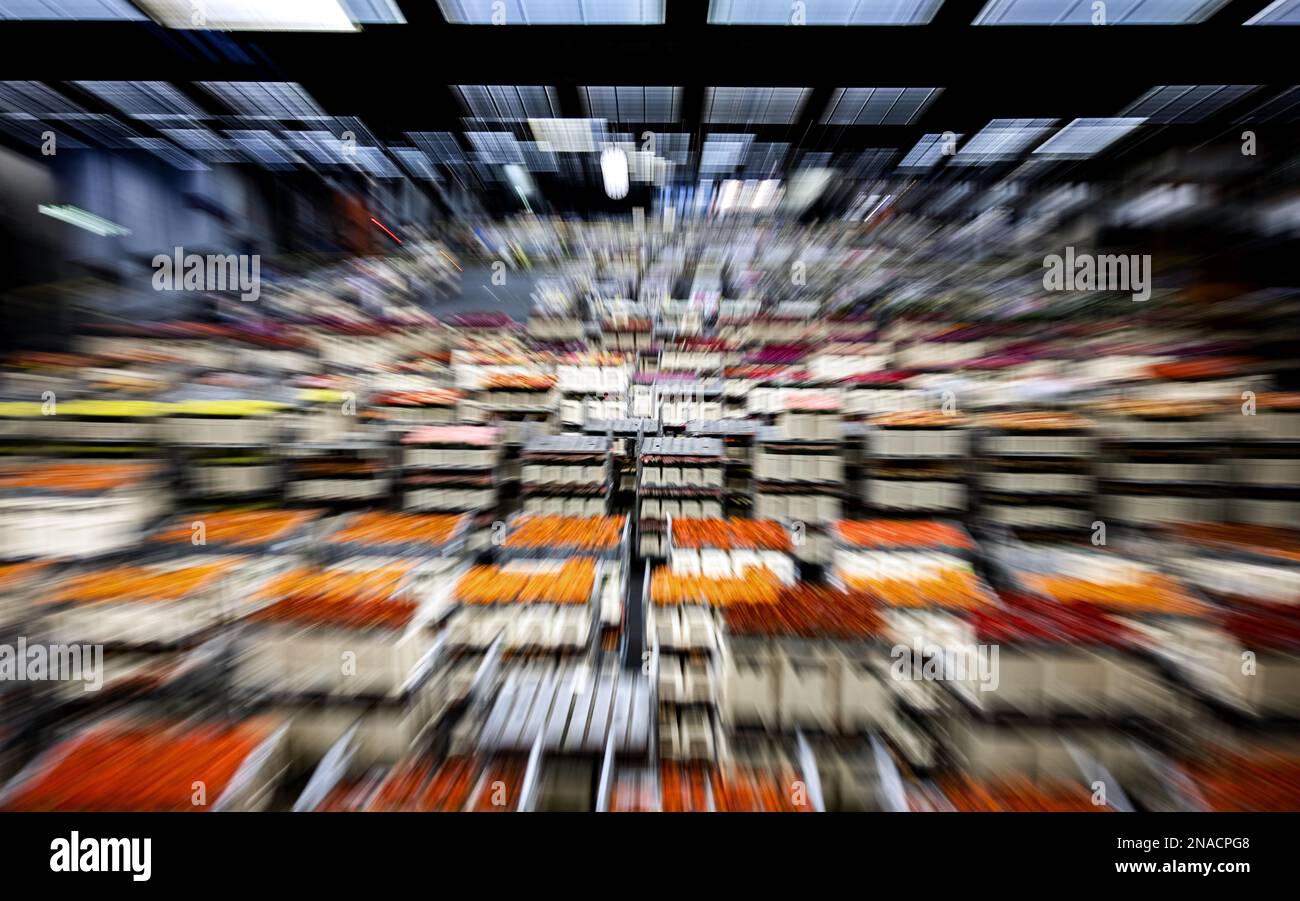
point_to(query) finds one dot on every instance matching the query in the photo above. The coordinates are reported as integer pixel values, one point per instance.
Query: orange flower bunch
(901, 533)
(1270, 540)
(742, 789)
(1018, 795)
(428, 397)
(1260, 782)
(326, 468)
(1278, 400)
(139, 356)
(142, 583)
(1161, 409)
(682, 787)
(808, 611)
(1151, 593)
(75, 476)
(520, 381)
(239, 529)
(348, 795)
(382, 528)
(141, 768)
(14, 575)
(595, 358)
(401, 787)
(498, 358)
(729, 534)
(756, 586)
(571, 583)
(1033, 421)
(37, 359)
(421, 787)
(1205, 367)
(918, 419)
(500, 788)
(580, 533)
(361, 599)
(945, 588)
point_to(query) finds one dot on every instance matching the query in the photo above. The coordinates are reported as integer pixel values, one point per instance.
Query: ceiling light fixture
(613, 169)
(72, 215)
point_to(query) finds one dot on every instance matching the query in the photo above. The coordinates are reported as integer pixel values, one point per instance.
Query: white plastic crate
(297, 660)
(1134, 429)
(1041, 482)
(685, 628)
(899, 494)
(55, 428)
(809, 687)
(866, 696)
(1030, 516)
(1057, 445)
(128, 622)
(1273, 472)
(247, 431)
(235, 479)
(336, 489)
(67, 526)
(1285, 514)
(751, 687)
(1267, 425)
(1154, 509)
(917, 442)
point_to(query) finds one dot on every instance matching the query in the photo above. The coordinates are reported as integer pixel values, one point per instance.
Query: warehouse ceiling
(420, 96)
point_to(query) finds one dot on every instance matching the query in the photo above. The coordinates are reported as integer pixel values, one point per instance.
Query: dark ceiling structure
(425, 96)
